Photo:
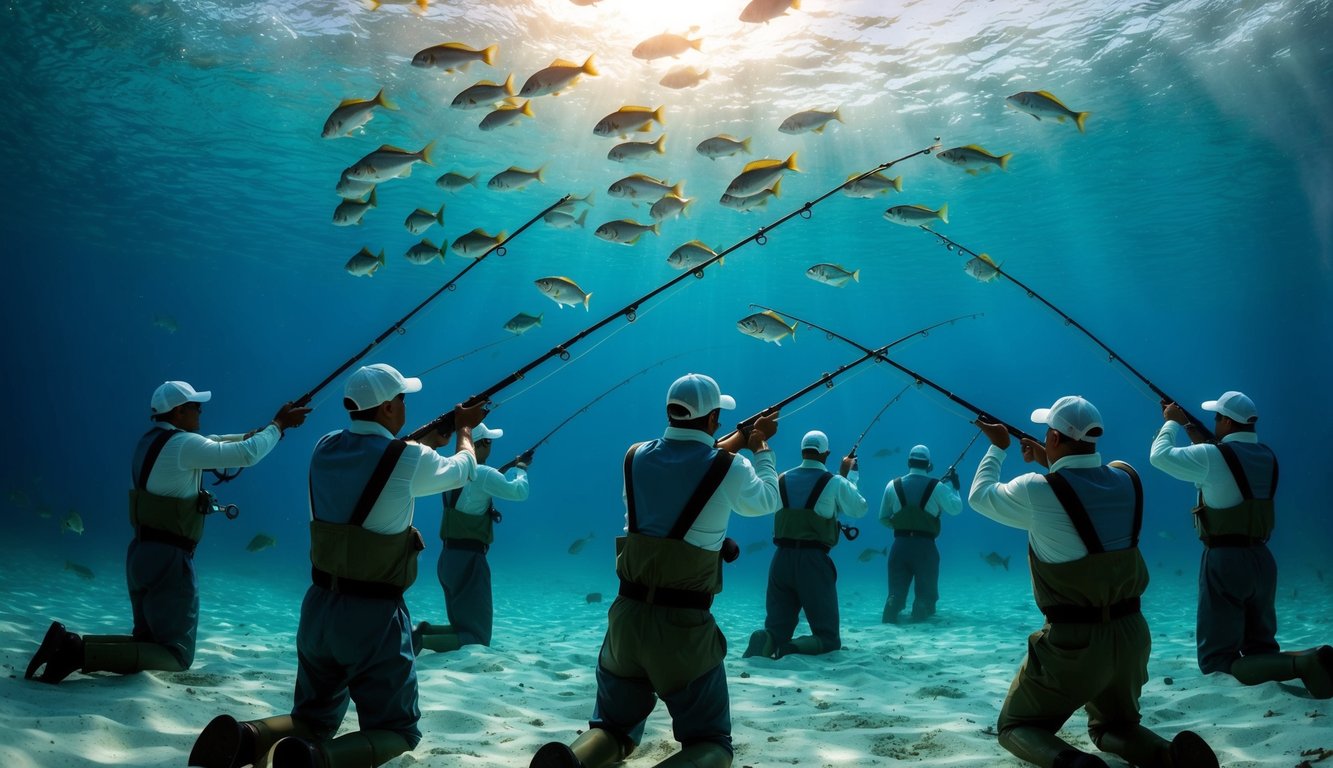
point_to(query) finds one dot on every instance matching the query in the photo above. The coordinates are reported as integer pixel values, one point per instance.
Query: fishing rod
(444, 423)
(875, 420)
(526, 455)
(970, 443)
(919, 379)
(950, 245)
(469, 353)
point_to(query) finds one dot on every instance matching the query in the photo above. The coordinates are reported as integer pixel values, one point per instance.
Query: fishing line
(875, 420)
(963, 453)
(950, 245)
(456, 358)
(444, 423)
(827, 390)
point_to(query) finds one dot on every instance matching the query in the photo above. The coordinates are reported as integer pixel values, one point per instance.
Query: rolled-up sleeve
(1005, 503)
(226, 452)
(437, 473)
(754, 487)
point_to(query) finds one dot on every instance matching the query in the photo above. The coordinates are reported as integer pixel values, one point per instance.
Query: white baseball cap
(175, 393)
(1235, 406)
(816, 441)
(1073, 417)
(699, 395)
(483, 432)
(919, 453)
(371, 385)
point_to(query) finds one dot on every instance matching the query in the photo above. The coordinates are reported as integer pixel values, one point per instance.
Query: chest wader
(459, 530)
(467, 586)
(164, 519)
(912, 519)
(801, 527)
(1248, 523)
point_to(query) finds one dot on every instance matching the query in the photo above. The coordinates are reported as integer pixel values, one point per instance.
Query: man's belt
(914, 535)
(1084, 614)
(471, 545)
(354, 588)
(801, 544)
(162, 537)
(1230, 540)
(666, 597)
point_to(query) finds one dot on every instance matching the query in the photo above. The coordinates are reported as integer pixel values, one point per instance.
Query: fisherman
(1236, 480)
(168, 507)
(801, 575)
(354, 640)
(912, 506)
(467, 530)
(661, 638)
(1083, 520)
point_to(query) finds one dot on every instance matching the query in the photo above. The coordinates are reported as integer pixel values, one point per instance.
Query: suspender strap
(1078, 515)
(712, 480)
(630, 517)
(820, 484)
(902, 495)
(1237, 471)
(378, 479)
(782, 489)
(150, 458)
(930, 488)
(450, 497)
(1138, 499)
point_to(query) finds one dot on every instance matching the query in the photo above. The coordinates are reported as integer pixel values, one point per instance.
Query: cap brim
(488, 434)
(1209, 405)
(411, 385)
(200, 397)
(1042, 416)
(726, 402)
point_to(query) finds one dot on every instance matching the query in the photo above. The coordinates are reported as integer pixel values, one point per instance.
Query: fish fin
(657, 115)
(425, 154)
(582, 218)
(384, 102)
(678, 189)
(685, 208)
(791, 163)
(756, 164)
(856, 276)
(656, 228)
(796, 4)
(645, 128)
(509, 84)
(589, 68)
(778, 342)
(1053, 98)
(527, 108)
(422, 5)
(488, 54)
(372, 201)
(439, 215)
(586, 298)
(473, 178)
(837, 115)
(660, 144)
(540, 179)
(634, 240)
(346, 102)
(563, 63)
(820, 129)
(943, 213)
(1004, 160)
(898, 184)
(1081, 120)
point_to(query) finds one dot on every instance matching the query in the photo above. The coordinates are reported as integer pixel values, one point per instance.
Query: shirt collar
(1078, 461)
(1241, 437)
(360, 427)
(694, 435)
(813, 464)
(917, 471)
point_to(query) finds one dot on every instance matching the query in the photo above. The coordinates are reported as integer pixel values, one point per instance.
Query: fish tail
(473, 178)
(1081, 119)
(488, 54)
(697, 44)
(943, 213)
(657, 115)
(588, 198)
(660, 144)
(527, 108)
(1006, 563)
(540, 170)
(582, 218)
(791, 163)
(589, 68)
(837, 115)
(685, 209)
(423, 5)
(704, 75)
(856, 276)
(509, 84)
(383, 102)
(439, 215)
(586, 298)
(797, 5)
(372, 201)
(777, 187)
(677, 189)
(745, 144)
(425, 153)
(656, 228)
(897, 184)
(374, 4)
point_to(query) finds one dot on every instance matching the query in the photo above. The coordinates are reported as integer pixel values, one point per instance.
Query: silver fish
(810, 120)
(764, 11)
(453, 57)
(683, 77)
(513, 179)
(691, 255)
(981, 268)
(505, 115)
(522, 323)
(751, 202)
(638, 186)
(425, 252)
(870, 186)
(1041, 104)
(722, 145)
(669, 207)
(351, 114)
(994, 560)
(666, 44)
(916, 215)
(454, 181)
(625, 231)
(72, 522)
(364, 263)
(766, 326)
(631, 150)
(578, 544)
(484, 93)
(562, 220)
(555, 78)
(260, 542)
(420, 220)
(82, 571)
(476, 242)
(871, 553)
(563, 291)
(832, 274)
(350, 212)
(388, 162)
(352, 189)
(628, 119)
(974, 158)
(759, 175)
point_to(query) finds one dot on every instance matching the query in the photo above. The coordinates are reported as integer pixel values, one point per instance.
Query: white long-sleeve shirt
(475, 498)
(1201, 464)
(180, 466)
(840, 496)
(1027, 502)
(943, 500)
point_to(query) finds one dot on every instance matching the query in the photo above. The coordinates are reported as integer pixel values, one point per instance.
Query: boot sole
(218, 745)
(761, 644)
(555, 755)
(1320, 684)
(293, 752)
(51, 642)
(1189, 750)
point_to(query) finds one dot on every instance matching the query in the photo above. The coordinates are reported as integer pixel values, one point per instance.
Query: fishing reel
(209, 504)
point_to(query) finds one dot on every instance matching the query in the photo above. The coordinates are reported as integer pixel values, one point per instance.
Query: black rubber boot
(61, 652)
(224, 743)
(761, 644)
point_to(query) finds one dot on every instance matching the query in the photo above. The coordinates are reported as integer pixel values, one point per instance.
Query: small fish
(766, 326)
(476, 242)
(882, 452)
(350, 212)
(351, 114)
(974, 159)
(578, 544)
(639, 186)
(453, 57)
(388, 162)
(1041, 104)
(454, 181)
(756, 546)
(665, 44)
(722, 145)
(683, 77)
(810, 120)
(420, 220)
(82, 571)
(562, 220)
(832, 274)
(760, 174)
(751, 202)
(514, 178)
(632, 150)
(691, 255)
(871, 553)
(425, 252)
(669, 207)
(994, 560)
(555, 78)
(625, 231)
(505, 115)
(981, 268)
(72, 522)
(523, 322)
(870, 186)
(916, 215)
(260, 542)
(628, 119)
(764, 11)
(364, 263)
(166, 323)
(563, 292)
(352, 189)
(571, 204)
(484, 93)
(593, 597)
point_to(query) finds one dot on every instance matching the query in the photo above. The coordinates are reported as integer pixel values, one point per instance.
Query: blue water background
(167, 216)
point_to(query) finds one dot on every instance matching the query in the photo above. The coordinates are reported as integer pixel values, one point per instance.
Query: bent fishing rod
(963, 453)
(917, 378)
(444, 423)
(950, 244)
(875, 420)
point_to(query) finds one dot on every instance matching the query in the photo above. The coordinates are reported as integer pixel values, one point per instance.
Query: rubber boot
(441, 642)
(594, 748)
(1047, 750)
(360, 749)
(705, 754)
(61, 652)
(128, 658)
(890, 615)
(1136, 744)
(808, 645)
(1315, 668)
(761, 644)
(227, 743)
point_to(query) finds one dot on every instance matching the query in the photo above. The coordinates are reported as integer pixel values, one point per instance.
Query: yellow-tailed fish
(683, 77)
(425, 252)
(973, 158)
(260, 542)
(484, 93)
(522, 323)
(388, 162)
(563, 291)
(759, 175)
(982, 268)
(514, 178)
(453, 57)
(505, 115)
(639, 187)
(476, 242)
(669, 207)
(636, 149)
(722, 145)
(454, 181)
(571, 205)
(420, 6)
(350, 212)
(766, 326)
(870, 186)
(665, 44)
(352, 114)
(72, 522)
(751, 202)
(764, 11)
(555, 78)
(420, 220)
(832, 274)
(1041, 104)
(810, 120)
(562, 220)
(691, 255)
(364, 263)
(916, 215)
(628, 119)
(82, 571)
(352, 189)
(625, 231)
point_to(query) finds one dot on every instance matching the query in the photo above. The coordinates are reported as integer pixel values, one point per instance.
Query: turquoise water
(169, 204)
